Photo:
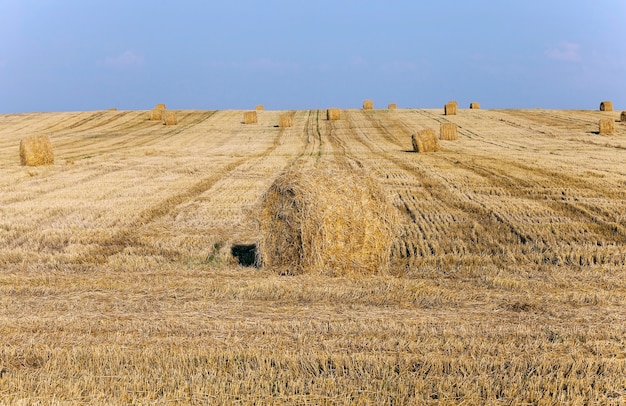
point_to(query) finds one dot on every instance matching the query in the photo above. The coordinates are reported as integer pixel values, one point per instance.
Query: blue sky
(70, 55)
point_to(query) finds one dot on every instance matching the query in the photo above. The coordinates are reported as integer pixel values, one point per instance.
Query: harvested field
(507, 282)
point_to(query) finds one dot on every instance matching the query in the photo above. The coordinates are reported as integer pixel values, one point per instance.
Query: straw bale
(368, 104)
(474, 106)
(113, 109)
(285, 120)
(160, 106)
(333, 114)
(259, 107)
(156, 114)
(425, 141)
(169, 118)
(450, 108)
(607, 126)
(392, 106)
(36, 150)
(250, 117)
(606, 106)
(448, 131)
(622, 117)
(324, 221)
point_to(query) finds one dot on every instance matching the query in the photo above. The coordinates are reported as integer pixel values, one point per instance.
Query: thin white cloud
(566, 51)
(127, 59)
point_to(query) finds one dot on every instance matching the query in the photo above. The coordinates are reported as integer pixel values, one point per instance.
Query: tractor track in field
(130, 234)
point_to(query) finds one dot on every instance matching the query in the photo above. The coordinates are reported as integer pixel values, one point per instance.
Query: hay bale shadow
(246, 254)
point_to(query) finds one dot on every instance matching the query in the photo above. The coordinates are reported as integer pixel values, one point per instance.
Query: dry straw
(160, 106)
(169, 118)
(450, 108)
(448, 131)
(324, 221)
(607, 126)
(425, 141)
(392, 106)
(285, 120)
(622, 117)
(368, 104)
(250, 117)
(474, 106)
(606, 106)
(259, 107)
(333, 114)
(36, 150)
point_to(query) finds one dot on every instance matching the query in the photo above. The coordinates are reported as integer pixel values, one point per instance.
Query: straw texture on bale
(156, 114)
(36, 150)
(169, 118)
(448, 131)
(285, 120)
(333, 114)
(392, 106)
(607, 126)
(450, 108)
(606, 106)
(259, 107)
(475, 106)
(622, 117)
(324, 221)
(368, 104)
(250, 117)
(425, 141)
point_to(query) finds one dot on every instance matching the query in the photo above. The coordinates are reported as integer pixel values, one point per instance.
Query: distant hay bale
(156, 114)
(113, 109)
(425, 141)
(169, 118)
(323, 221)
(450, 108)
(285, 120)
(250, 117)
(160, 106)
(333, 114)
(606, 106)
(448, 131)
(622, 117)
(474, 106)
(392, 106)
(259, 107)
(36, 150)
(607, 126)
(368, 104)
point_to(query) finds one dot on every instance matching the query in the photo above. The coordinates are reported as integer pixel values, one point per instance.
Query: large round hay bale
(36, 150)
(368, 104)
(450, 108)
(392, 106)
(169, 118)
(156, 114)
(259, 107)
(448, 131)
(606, 106)
(250, 117)
(474, 106)
(285, 120)
(333, 114)
(607, 126)
(425, 141)
(328, 222)
(160, 106)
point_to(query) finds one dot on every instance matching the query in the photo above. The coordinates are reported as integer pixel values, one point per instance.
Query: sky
(83, 55)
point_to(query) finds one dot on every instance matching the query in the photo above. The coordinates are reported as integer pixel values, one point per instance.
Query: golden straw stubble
(36, 150)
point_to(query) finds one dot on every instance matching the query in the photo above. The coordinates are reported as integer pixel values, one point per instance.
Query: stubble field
(507, 284)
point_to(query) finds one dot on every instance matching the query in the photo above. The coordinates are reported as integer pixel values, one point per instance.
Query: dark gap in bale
(622, 117)
(246, 254)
